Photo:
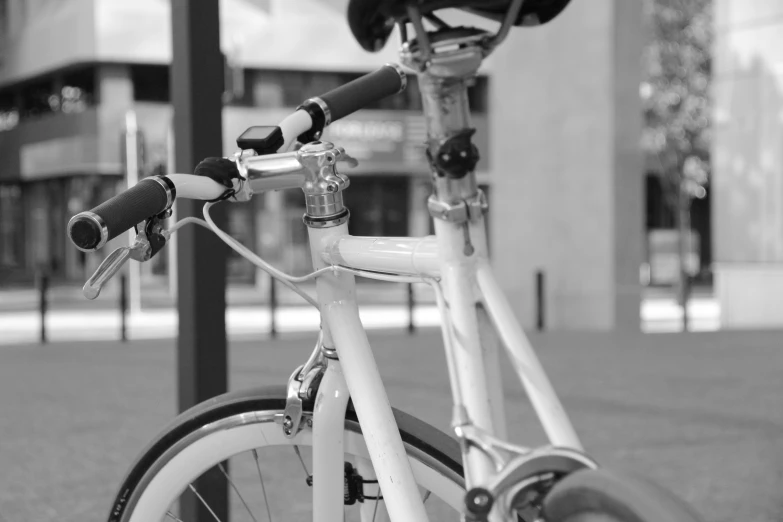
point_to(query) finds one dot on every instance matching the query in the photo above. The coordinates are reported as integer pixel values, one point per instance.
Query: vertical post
(540, 302)
(272, 307)
(202, 364)
(171, 249)
(683, 244)
(123, 308)
(131, 178)
(411, 303)
(43, 288)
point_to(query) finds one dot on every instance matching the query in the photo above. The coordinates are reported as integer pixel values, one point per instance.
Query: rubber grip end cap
(85, 233)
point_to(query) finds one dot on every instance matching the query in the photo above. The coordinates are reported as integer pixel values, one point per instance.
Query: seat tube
(457, 206)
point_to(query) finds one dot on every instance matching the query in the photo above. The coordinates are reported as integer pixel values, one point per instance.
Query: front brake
(149, 241)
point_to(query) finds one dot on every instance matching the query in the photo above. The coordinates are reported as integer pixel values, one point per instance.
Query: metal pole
(411, 303)
(123, 308)
(202, 363)
(540, 303)
(43, 288)
(132, 177)
(171, 249)
(683, 243)
(272, 307)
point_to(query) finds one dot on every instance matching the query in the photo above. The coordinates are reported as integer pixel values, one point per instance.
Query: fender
(414, 432)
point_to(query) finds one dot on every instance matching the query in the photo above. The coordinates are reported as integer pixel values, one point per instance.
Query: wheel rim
(189, 458)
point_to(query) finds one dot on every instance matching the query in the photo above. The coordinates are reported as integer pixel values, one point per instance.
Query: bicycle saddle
(372, 21)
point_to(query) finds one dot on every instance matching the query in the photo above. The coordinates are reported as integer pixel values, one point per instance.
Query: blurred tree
(675, 97)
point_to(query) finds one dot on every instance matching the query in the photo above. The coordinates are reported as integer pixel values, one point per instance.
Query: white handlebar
(191, 186)
(292, 126)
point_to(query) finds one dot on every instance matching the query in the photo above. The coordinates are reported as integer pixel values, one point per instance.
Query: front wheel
(599, 495)
(235, 439)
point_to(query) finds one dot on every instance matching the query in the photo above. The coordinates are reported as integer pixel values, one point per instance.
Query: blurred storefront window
(150, 83)
(78, 90)
(11, 231)
(9, 111)
(39, 97)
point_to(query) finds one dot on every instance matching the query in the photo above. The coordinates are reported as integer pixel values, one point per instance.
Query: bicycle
(392, 456)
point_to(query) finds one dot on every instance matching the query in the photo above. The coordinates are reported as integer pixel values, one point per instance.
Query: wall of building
(747, 178)
(567, 169)
(44, 34)
(563, 120)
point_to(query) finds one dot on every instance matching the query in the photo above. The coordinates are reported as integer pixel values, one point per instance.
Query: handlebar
(363, 91)
(91, 230)
(310, 118)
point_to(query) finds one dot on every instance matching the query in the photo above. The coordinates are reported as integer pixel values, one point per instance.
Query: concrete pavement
(700, 413)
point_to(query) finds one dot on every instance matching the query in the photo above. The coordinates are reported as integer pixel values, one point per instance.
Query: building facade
(560, 104)
(748, 162)
(65, 113)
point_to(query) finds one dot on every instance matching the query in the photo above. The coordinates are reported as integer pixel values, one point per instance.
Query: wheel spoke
(299, 454)
(172, 516)
(234, 487)
(263, 487)
(203, 502)
(377, 501)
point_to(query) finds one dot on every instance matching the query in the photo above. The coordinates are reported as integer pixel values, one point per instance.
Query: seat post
(445, 73)
(447, 114)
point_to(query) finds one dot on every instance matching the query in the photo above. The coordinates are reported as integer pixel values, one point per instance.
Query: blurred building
(748, 162)
(563, 171)
(74, 72)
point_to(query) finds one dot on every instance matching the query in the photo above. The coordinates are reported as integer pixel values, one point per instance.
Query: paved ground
(700, 412)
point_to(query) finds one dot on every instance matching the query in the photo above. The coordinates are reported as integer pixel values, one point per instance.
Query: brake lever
(139, 251)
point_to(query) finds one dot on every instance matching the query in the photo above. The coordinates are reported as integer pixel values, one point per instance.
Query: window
(67, 92)
(294, 84)
(3, 17)
(150, 83)
(39, 97)
(11, 233)
(78, 90)
(266, 88)
(9, 111)
(378, 205)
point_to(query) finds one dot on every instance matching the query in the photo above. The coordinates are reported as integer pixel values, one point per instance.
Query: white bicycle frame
(470, 302)
(468, 283)
(455, 262)
(465, 287)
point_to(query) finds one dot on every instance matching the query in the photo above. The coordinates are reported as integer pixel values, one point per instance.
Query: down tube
(336, 296)
(540, 391)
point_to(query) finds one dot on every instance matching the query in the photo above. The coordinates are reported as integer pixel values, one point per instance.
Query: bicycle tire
(601, 495)
(424, 445)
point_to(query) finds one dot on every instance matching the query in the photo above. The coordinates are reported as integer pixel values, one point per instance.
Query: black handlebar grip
(90, 230)
(357, 94)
